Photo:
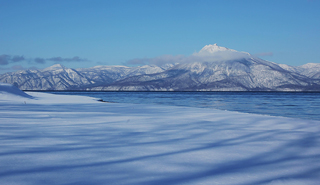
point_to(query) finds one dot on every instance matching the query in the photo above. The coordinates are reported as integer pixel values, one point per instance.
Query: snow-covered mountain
(213, 68)
(223, 69)
(311, 70)
(236, 75)
(58, 77)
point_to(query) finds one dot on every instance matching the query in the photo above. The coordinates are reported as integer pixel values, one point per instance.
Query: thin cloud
(59, 59)
(8, 59)
(4, 69)
(165, 59)
(196, 57)
(73, 59)
(40, 60)
(16, 68)
(218, 56)
(4, 60)
(17, 58)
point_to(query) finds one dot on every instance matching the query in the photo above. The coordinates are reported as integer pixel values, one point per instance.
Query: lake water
(305, 105)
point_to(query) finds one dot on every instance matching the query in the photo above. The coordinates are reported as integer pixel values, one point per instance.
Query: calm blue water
(303, 105)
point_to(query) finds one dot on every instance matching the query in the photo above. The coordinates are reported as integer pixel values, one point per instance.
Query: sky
(36, 34)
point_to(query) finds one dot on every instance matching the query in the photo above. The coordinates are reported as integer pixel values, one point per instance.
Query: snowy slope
(96, 143)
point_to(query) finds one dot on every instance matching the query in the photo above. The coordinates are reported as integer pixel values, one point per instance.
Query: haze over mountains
(213, 68)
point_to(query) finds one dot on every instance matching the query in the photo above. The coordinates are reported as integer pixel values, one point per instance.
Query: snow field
(56, 139)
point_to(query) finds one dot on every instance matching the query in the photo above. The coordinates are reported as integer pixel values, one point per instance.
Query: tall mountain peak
(214, 48)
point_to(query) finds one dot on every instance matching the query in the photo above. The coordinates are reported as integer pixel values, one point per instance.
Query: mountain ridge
(215, 68)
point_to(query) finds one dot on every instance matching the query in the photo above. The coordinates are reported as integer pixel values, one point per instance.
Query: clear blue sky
(39, 33)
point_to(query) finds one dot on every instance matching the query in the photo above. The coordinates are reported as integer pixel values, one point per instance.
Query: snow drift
(11, 94)
(11, 91)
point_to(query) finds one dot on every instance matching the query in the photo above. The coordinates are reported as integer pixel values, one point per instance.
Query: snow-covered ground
(59, 139)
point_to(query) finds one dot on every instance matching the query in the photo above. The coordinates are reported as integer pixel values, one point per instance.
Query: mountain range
(213, 68)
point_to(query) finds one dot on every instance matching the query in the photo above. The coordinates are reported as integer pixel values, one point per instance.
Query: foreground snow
(51, 139)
